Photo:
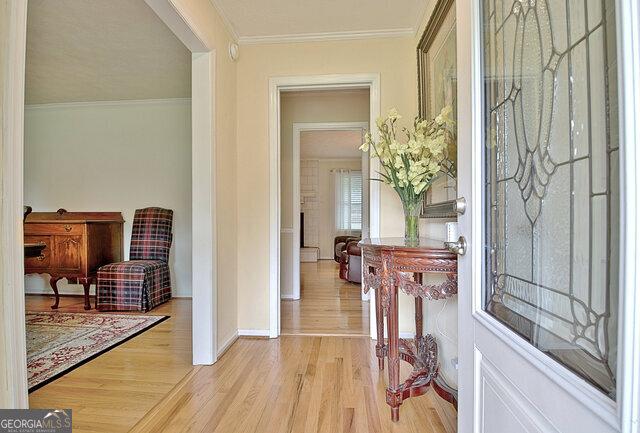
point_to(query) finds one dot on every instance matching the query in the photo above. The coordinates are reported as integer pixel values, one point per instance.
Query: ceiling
(102, 50)
(330, 144)
(295, 20)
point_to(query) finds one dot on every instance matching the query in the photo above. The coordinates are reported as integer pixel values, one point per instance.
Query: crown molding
(80, 104)
(321, 36)
(225, 20)
(326, 36)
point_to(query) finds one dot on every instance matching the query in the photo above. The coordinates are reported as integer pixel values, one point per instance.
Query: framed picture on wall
(437, 88)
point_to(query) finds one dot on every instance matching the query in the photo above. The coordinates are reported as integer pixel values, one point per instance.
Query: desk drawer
(53, 229)
(44, 260)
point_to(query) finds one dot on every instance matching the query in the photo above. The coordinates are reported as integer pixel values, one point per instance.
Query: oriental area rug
(59, 342)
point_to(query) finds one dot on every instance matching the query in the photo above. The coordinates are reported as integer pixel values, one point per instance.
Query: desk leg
(393, 397)
(379, 330)
(418, 311)
(53, 282)
(86, 283)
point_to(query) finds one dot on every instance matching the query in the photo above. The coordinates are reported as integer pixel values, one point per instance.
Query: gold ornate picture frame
(437, 86)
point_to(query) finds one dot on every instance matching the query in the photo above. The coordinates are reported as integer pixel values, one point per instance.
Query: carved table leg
(379, 330)
(53, 282)
(394, 397)
(418, 311)
(86, 283)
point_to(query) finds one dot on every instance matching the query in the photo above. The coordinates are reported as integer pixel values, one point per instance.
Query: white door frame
(13, 359)
(320, 126)
(14, 392)
(624, 415)
(310, 82)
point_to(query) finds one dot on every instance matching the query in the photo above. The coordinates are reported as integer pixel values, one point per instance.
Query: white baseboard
(253, 332)
(227, 344)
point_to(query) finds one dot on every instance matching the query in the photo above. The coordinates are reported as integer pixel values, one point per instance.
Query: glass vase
(412, 213)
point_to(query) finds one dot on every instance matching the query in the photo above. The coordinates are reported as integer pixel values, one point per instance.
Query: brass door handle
(458, 247)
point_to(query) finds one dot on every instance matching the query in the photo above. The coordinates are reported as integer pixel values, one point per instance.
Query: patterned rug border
(102, 352)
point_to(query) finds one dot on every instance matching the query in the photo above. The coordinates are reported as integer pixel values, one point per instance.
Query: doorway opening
(203, 274)
(321, 278)
(326, 203)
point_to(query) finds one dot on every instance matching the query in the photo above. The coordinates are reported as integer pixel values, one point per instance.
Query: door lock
(458, 247)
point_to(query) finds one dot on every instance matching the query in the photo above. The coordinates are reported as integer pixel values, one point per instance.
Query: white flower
(410, 165)
(417, 189)
(393, 115)
(367, 142)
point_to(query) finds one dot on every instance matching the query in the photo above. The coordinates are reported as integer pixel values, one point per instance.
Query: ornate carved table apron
(389, 265)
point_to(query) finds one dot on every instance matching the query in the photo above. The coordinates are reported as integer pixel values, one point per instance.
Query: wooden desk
(389, 265)
(76, 245)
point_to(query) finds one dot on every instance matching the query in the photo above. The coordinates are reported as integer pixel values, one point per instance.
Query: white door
(548, 164)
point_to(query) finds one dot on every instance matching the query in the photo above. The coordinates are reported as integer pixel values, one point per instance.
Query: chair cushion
(132, 267)
(137, 285)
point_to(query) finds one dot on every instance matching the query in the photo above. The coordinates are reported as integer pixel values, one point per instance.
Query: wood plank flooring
(327, 305)
(291, 384)
(114, 391)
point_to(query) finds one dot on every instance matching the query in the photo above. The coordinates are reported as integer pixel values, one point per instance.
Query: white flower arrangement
(410, 166)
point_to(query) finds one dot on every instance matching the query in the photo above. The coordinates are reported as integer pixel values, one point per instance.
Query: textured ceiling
(102, 50)
(281, 18)
(330, 144)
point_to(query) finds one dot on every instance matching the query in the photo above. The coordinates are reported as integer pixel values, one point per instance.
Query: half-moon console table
(390, 265)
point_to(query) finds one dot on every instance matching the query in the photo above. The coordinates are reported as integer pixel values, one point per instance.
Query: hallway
(327, 305)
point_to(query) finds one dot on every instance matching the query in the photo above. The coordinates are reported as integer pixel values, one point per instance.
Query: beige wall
(441, 317)
(210, 28)
(115, 156)
(392, 58)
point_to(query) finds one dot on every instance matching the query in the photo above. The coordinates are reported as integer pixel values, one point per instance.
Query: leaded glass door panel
(547, 162)
(551, 161)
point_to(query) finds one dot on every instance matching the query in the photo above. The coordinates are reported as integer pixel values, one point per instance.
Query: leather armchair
(340, 245)
(351, 262)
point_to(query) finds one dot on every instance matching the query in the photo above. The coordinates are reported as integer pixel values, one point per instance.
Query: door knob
(460, 205)
(458, 247)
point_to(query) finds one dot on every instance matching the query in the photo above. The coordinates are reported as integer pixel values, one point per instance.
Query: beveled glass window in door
(552, 174)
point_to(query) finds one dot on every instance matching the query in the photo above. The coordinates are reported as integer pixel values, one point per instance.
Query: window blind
(348, 200)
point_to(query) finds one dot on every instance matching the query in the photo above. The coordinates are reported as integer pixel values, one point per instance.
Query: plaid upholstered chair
(143, 282)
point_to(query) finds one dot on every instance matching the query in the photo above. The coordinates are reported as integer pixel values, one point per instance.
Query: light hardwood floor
(327, 305)
(115, 390)
(291, 384)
